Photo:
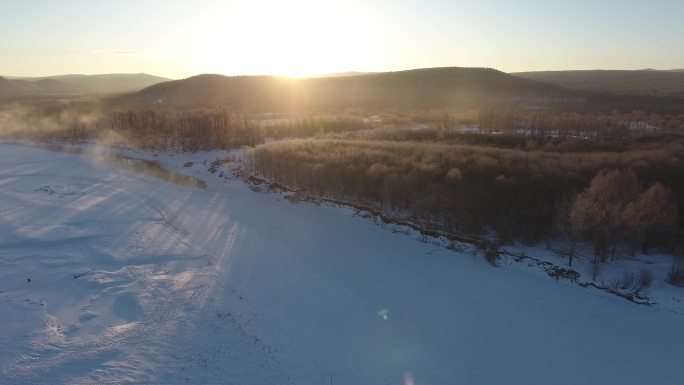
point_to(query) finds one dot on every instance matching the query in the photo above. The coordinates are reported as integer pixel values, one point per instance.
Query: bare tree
(564, 225)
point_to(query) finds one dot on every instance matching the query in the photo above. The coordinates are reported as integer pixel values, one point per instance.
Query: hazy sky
(177, 38)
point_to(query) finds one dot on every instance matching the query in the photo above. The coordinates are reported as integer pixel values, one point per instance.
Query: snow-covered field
(133, 279)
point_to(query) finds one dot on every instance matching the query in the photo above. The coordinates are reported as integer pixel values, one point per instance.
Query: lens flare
(383, 313)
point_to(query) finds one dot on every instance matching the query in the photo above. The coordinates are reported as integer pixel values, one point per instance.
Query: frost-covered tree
(651, 216)
(564, 225)
(615, 209)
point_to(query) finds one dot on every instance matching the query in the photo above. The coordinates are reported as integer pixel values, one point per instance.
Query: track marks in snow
(126, 307)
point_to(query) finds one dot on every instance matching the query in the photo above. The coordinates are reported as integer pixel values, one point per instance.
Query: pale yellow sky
(177, 38)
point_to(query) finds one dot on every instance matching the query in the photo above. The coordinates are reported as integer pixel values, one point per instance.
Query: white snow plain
(133, 279)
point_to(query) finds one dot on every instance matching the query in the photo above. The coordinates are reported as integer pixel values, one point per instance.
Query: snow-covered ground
(134, 279)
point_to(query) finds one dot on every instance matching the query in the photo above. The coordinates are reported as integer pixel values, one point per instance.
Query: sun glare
(300, 38)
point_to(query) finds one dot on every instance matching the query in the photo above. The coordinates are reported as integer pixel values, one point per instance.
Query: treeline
(538, 122)
(49, 120)
(530, 131)
(633, 141)
(616, 210)
(544, 124)
(463, 188)
(308, 126)
(180, 130)
(192, 130)
(183, 130)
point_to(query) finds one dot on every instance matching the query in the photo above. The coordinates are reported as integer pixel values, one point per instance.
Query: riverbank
(133, 279)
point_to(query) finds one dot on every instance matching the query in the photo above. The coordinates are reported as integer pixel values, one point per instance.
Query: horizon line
(328, 74)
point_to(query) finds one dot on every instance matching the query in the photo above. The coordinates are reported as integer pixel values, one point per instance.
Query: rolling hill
(17, 88)
(67, 85)
(640, 82)
(420, 88)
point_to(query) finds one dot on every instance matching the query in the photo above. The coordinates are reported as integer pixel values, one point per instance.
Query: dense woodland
(463, 186)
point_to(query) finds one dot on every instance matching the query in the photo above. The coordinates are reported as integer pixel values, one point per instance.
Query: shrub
(645, 280)
(676, 276)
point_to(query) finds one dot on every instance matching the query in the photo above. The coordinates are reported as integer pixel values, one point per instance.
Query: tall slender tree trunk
(596, 265)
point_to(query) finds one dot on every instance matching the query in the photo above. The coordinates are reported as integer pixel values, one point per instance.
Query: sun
(295, 39)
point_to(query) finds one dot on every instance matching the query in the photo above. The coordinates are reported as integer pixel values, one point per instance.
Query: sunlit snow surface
(133, 279)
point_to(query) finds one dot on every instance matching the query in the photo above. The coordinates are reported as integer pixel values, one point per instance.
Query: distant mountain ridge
(16, 88)
(645, 82)
(342, 74)
(420, 88)
(65, 85)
